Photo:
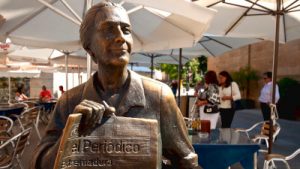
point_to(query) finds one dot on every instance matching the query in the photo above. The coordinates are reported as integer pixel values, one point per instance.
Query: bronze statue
(105, 34)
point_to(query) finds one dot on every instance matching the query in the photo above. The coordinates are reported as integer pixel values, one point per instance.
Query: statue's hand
(92, 113)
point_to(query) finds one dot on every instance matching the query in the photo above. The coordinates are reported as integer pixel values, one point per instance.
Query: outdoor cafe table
(223, 148)
(7, 110)
(47, 106)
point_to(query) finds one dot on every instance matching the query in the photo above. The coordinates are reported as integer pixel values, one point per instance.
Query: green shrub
(289, 105)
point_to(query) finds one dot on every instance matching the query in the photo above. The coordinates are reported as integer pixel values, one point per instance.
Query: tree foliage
(243, 77)
(195, 68)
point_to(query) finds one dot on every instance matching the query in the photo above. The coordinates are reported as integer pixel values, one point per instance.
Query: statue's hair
(90, 20)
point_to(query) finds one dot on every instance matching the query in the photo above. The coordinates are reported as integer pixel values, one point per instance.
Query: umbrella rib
(284, 28)
(210, 38)
(287, 7)
(71, 10)
(297, 10)
(87, 6)
(291, 9)
(190, 33)
(241, 6)
(29, 18)
(61, 13)
(206, 49)
(257, 14)
(255, 3)
(174, 58)
(213, 4)
(172, 51)
(134, 9)
(239, 19)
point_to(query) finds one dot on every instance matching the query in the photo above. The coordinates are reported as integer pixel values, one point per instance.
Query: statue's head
(105, 33)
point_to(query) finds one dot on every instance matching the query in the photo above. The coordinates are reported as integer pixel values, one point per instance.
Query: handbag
(211, 109)
(235, 104)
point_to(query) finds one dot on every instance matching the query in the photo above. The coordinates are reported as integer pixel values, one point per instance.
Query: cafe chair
(29, 103)
(270, 159)
(13, 149)
(264, 132)
(30, 118)
(6, 124)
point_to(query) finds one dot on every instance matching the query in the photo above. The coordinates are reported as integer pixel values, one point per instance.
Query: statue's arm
(176, 145)
(92, 113)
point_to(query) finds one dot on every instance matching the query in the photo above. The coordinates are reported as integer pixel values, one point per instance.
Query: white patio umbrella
(207, 46)
(77, 59)
(255, 18)
(34, 56)
(210, 45)
(55, 23)
(276, 20)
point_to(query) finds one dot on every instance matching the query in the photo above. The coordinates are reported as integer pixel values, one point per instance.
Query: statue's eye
(126, 29)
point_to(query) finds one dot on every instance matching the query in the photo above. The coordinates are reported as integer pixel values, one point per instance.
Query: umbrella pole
(66, 69)
(179, 75)
(274, 72)
(89, 65)
(9, 89)
(78, 75)
(152, 64)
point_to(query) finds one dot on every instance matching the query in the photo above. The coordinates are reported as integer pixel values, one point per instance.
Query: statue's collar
(134, 97)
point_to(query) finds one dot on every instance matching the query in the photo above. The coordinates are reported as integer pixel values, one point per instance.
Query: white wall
(73, 80)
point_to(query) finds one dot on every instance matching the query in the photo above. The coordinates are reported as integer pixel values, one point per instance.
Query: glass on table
(205, 126)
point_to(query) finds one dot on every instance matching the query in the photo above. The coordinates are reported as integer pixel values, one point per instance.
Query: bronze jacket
(145, 98)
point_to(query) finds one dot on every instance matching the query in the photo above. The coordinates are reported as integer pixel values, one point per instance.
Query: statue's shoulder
(73, 95)
(153, 85)
(151, 82)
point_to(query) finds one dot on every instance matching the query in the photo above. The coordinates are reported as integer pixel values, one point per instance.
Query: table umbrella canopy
(75, 59)
(254, 18)
(211, 46)
(207, 46)
(21, 73)
(55, 24)
(34, 56)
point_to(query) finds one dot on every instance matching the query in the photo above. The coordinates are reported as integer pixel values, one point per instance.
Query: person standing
(174, 87)
(265, 97)
(61, 89)
(209, 97)
(229, 92)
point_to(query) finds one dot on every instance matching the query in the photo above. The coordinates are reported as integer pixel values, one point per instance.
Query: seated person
(20, 96)
(45, 95)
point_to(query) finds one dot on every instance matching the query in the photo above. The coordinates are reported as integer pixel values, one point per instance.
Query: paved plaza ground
(287, 141)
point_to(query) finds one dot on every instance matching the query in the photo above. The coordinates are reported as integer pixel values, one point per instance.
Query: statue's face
(112, 40)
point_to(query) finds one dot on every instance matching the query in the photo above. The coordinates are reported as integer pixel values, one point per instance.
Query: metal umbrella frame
(261, 10)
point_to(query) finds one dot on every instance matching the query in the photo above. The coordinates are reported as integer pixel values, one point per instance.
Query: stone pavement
(287, 141)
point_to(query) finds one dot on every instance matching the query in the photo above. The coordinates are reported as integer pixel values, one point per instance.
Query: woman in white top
(229, 91)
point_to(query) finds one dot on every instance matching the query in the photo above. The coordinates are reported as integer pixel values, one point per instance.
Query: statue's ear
(91, 53)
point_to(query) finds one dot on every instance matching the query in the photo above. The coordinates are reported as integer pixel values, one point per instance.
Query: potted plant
(288, 104)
